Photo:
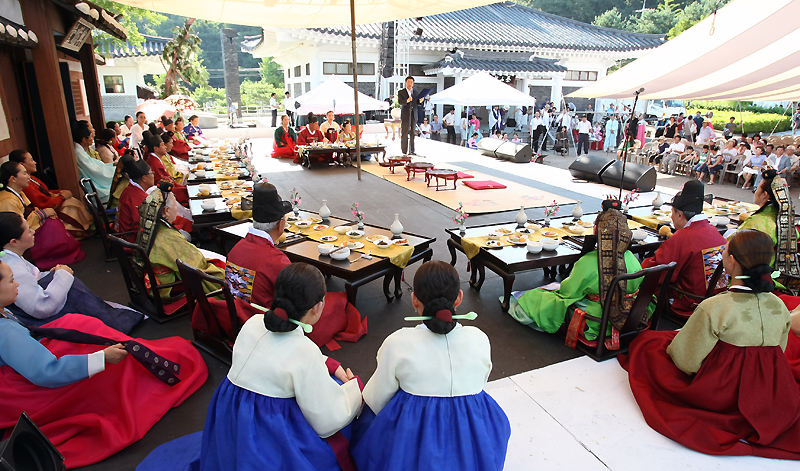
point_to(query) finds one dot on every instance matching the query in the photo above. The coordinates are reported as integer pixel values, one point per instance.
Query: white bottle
(577, 213)
(324, 212)
(396, 227)
(657, 202)
(521, 218)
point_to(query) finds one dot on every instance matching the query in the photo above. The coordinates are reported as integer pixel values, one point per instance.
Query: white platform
(581, 415)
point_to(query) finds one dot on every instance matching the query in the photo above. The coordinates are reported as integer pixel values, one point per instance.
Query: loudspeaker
(488, 145)
(638, 176)
(514, 151)
(589, 167)
(28, 449)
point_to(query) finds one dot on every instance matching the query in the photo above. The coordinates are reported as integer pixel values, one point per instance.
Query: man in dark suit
(408, 122)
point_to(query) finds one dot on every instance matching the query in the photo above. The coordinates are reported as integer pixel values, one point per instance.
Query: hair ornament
(470, 316)
(307, 328)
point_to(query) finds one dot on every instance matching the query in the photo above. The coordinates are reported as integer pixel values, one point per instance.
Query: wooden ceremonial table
(444, 174)
(326, 153)
(221, 213)
(356, 271)
(194, 191)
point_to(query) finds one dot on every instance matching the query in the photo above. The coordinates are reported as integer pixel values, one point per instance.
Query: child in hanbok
(427, 406)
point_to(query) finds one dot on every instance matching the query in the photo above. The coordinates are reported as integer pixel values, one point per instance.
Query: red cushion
(484, 185)
(463, 175)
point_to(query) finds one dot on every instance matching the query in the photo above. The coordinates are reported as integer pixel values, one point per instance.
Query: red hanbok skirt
(743, 401)
(54, 245)
(287, 152)
(92, 419)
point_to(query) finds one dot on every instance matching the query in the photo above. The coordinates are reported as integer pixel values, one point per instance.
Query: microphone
(639, 91)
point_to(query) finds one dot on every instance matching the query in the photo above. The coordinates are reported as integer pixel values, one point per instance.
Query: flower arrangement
(461, 216)
(356, 213)
(632, 196)
(551, 210)
(294, 197)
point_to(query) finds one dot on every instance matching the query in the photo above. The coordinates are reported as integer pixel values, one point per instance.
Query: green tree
(181, 59)
(613, 19)
(136, 21)
(659, 20)
(271, 72)
(694, 13)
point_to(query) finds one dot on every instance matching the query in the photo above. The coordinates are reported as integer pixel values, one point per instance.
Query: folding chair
(215, 322)
(713, 289)
(87, 185)
(138, 275)
(101, 222)
(651, 285)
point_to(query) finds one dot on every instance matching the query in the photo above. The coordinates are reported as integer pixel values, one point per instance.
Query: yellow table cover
(398, 255)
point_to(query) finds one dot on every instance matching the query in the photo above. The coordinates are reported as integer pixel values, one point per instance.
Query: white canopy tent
(309, 14)
(333, 95)
(744, 52)
(482, 90)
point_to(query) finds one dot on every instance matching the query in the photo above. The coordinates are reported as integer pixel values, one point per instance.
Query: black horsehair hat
(135, 169)
(690, 198)
(267, 203)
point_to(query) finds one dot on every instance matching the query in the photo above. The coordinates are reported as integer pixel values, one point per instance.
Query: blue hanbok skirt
(463, 433)
(247, 431)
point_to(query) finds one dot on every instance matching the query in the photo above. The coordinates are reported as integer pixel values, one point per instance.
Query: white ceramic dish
(383, 243)
(639, 234)
(329, 238)
(355, 234)
(550, 244)
(324, 249)
(535, 246)
(208, 204)
(341, 254)
(320, 227)
(518, 240)
(342, 229)
(533, 227)
(493, 236)
(303, 224)
(355, 245)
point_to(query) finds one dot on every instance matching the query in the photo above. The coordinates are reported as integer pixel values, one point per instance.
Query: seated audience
(436, 128)
(156, 151)
(347, 135)
(752, 166)
(89, 163)
(425, 129)
(179, 147)
(178, 170)
(141, 178)
(46, 296)
(119, 146)
(674, 152)
(283, 405)
(696, 247)
(105, 146)
(54, 245)
(125, 130)
(137, 130)
(285, 145)
(310, 135)
(581, 293)
(722, 385)
(330, 128)
(91, 401)
(472, 143)
(254, 263)
(163, 243)
(706, 134)
(701, 161)
(429, 387)
(714, 163)
(70, 210)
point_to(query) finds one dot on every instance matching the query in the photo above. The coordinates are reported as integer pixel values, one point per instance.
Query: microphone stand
(629, 139)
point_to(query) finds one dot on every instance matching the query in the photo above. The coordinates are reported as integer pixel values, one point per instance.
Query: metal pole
(356, 117)
(629, 137)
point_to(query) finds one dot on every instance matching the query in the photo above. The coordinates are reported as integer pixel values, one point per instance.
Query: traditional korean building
(48, 78)
(539, 53)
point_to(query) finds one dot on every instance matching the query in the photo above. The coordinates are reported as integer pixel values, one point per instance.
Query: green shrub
(730, 105)
(753, 122)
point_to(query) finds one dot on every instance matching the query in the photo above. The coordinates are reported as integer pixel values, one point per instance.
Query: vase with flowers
(550, 211)
(294, 198)
(460, 218)
(632, 196)
(358, 215)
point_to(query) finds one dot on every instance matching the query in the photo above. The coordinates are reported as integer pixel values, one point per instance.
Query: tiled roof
(497, 65)
(510, 26)
(153, 46)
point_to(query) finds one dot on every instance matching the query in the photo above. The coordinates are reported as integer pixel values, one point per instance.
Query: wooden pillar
(91, 83)
(48, 76)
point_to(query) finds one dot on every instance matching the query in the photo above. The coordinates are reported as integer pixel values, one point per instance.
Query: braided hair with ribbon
(753, 250)
(438, 288)
(299, 287)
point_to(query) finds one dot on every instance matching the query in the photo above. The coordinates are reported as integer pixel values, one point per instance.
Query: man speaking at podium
(408, 112)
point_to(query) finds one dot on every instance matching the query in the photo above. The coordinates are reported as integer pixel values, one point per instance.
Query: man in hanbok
(164, 244)
(580, 294)
(254, 263)
(612, 128)
(696, 247)
(89, 163)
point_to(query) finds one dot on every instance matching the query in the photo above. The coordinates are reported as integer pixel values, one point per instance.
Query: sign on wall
(508, 79)
(77, 35)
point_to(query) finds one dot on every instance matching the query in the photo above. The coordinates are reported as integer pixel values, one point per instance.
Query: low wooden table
(221, 213)
(355, 271)
(444, 174)
(413, 167)
(400, 160)
(391, 124)
(194, 191)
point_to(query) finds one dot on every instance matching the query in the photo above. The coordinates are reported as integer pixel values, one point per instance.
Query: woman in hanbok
(70, 210)
(581, 293)
(104, 144)
(54, 245)
(427, 404)
(91, 401)
(284, 146)
(612, 128)
(474, 128)
(192, 130)
(180, 147)
(722, 385)
(279, 408)
(140, 178)
(640, 129)
(156, 154)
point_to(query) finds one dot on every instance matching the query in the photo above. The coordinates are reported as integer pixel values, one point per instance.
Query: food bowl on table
(550, 244)
(493, 236)
(200, 173)
(328, 238)
(518, 239)
(342, 229)
(325, 249)
(383, 243)
(533, 227)
(353, 245)
(586, 223)
(550, 234)
(355, 234)
(303, 224)
(376, 237)
(576, 229)
(341, 254)
(639, 234)
(722, 221)
(208, 205)
(493, 243)
(534, 246)
(525, 230)
(320, 227)
(400, 242)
